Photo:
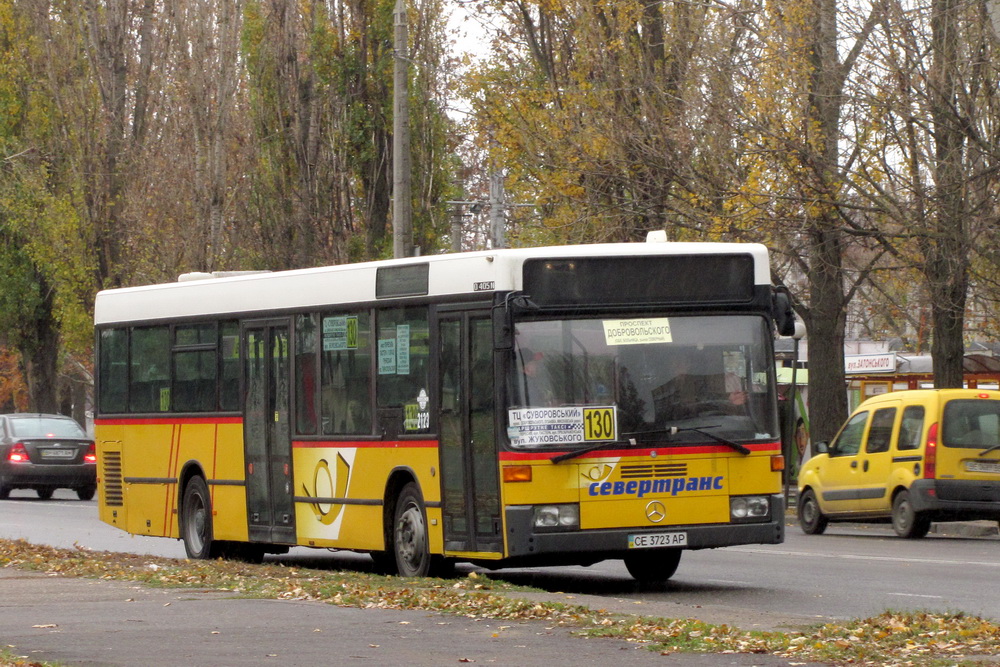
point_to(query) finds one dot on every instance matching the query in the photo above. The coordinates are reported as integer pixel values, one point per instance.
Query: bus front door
(470, 485)
(267, 433)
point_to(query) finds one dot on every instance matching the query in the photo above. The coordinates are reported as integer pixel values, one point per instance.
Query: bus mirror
(781, 310)
(503, 326)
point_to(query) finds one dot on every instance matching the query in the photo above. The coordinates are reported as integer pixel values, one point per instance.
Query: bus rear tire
(409, 534)
(196, 521)
(654, 566)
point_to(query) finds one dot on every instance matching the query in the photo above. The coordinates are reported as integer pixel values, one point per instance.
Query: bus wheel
(653, 566)
(409, 531)
(811, 519)
(196, 520)
(906, 522)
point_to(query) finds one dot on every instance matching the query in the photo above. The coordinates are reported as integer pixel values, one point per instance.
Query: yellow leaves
(887, 639)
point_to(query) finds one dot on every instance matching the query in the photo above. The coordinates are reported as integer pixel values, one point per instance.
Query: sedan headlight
(743, 508)
(557, 516)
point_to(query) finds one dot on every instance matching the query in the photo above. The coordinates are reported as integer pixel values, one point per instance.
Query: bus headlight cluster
(749, 507)
(557, 516)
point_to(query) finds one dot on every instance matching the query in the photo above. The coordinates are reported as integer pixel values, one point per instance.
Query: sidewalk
(111, 623)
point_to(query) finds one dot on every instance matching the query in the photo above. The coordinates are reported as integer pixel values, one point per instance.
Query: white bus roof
(452, 274)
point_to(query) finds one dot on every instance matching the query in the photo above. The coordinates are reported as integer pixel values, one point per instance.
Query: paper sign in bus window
(637, 332)
(387, 356)
(340, 333)
(402, 349)
(536, 427)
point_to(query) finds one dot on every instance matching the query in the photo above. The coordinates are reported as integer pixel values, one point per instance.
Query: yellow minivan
(909, 457)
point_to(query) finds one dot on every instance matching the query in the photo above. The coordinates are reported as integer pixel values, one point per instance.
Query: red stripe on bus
(361, 444)
(765, 447)
(141, 421)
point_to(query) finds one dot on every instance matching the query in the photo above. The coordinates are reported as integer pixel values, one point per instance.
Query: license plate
(58, 453)
(983, 466)
(649, 540)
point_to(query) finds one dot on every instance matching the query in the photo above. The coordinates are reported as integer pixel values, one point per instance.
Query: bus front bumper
(528, 544)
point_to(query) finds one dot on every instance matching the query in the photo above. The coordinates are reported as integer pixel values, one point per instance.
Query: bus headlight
(748, 508)
(566, 517)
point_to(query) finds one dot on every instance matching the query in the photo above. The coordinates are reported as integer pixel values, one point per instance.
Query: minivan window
(880, 434)
(971, 423)
(849, 440)
(911, 428)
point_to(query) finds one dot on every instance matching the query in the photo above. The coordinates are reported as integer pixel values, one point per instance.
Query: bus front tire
(653, 566)
(409, 534)
(196, 521)
(811, 518)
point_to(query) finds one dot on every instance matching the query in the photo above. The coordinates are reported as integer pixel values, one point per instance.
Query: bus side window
(345, 383)
(149, 375)
(113, 370)
(229, 350)
(305, 374)
(402, 382)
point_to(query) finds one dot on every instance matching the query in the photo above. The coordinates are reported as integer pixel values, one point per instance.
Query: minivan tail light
(91, 455)
(930, 452)
(18, 454)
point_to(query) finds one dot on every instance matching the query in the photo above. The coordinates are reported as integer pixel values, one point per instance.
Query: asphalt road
(853, 571)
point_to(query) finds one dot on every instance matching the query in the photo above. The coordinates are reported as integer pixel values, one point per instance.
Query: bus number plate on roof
(649, 540)
(983, 466)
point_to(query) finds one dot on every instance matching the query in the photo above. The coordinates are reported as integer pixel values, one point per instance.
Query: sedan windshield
(641, 380)
(45, 427)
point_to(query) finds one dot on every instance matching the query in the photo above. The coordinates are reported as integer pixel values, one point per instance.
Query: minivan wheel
(907, 522)
(812, 520)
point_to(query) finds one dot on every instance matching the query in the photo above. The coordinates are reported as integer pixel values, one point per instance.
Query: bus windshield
(581, 381)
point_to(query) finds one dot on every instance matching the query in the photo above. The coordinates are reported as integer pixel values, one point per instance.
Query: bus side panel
(225, 468)
(360, 474)
(148, 451)
(111, 505)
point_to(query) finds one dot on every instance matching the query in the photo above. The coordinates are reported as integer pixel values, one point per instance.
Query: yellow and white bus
(559, 405)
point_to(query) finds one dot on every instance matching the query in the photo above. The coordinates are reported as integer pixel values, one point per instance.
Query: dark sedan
(45, 453)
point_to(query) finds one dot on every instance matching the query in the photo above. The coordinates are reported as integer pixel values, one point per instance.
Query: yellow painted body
(614, 492)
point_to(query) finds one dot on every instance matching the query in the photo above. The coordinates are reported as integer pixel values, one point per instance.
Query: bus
(511, 407)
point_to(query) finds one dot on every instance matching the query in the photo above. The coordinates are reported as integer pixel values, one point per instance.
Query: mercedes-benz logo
(655, 511)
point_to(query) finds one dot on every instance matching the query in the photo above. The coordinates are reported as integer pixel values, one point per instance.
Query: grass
(891, 638)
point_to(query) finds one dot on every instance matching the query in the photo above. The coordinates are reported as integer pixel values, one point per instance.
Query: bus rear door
(267, 432)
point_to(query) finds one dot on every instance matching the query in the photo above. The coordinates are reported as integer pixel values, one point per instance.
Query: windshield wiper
(991, 449)
(592, 448)
(700, 429)
(673, 430)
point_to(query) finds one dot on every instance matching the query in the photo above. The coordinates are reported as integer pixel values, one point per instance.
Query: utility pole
(497, 209)
(402, 214)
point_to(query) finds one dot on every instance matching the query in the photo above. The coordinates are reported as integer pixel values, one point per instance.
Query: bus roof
(447, 275)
